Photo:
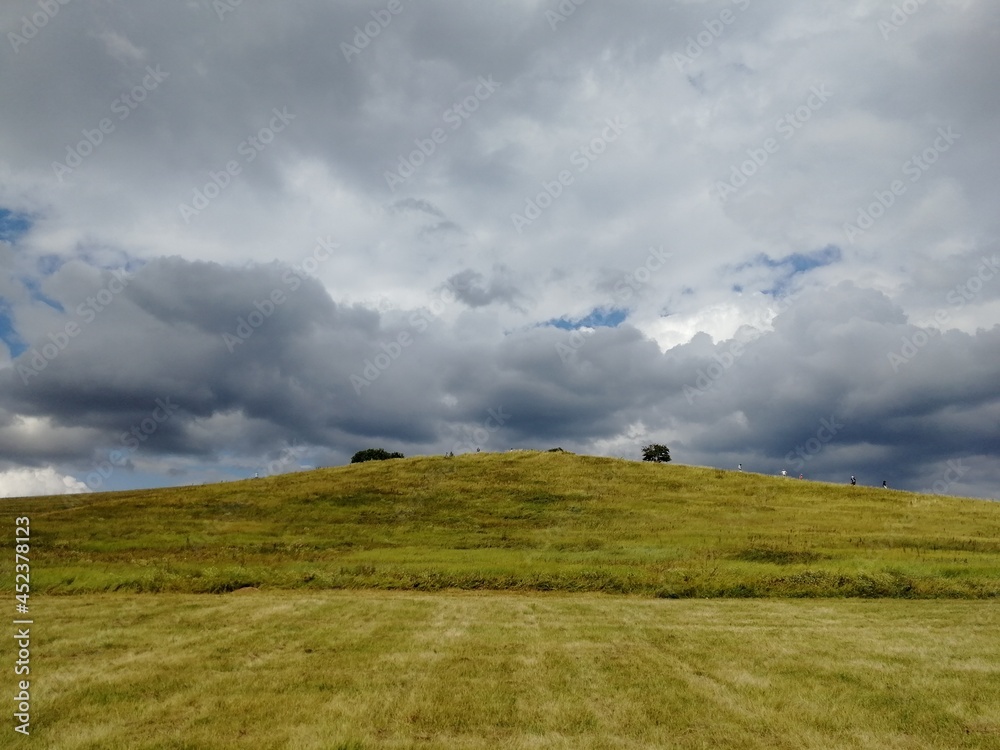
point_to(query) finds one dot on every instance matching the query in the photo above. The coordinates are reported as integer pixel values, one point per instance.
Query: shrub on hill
(373, 454)
(656, 452)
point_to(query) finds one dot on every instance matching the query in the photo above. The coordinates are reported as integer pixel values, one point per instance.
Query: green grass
(520, 521)
(361, 670)
(512, 601)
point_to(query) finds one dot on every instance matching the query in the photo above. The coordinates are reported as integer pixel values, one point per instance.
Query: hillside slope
(519, 521)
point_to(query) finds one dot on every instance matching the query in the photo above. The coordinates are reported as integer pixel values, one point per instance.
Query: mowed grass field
(357, 670)
(519, 600)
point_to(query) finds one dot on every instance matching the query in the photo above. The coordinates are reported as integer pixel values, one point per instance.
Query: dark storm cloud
(213, 339)
(827, 361)
(846, 356)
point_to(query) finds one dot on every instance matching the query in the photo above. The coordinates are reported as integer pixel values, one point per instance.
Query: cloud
(417, 307)
(32, 482)
(471, 288)
(310, 370)
(413, 204)
(121, 48)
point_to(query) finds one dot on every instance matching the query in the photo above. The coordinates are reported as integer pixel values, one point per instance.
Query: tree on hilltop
(373, 454)
(656, 452)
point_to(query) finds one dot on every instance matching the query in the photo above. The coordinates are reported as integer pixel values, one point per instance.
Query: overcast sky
(246, 238)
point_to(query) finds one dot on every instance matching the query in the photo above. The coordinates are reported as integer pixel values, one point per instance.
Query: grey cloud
(472, 288)
(324, 174)
(415, 204)
(827, 357)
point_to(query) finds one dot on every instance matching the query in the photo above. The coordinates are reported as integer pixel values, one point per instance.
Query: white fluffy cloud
(32, 482)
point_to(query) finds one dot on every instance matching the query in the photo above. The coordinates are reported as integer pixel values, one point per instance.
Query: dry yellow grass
(355, 670)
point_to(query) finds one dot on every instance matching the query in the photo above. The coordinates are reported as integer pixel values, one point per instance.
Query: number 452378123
(22, 565)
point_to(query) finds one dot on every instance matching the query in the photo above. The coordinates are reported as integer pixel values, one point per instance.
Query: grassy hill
(521, 521)
(476, 602)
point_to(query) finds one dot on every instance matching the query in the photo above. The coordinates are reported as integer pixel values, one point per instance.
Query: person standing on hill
(885, 485)
(854, 480)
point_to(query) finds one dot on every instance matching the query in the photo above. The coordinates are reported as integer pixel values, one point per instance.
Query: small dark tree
(373, 454)
(656, 452)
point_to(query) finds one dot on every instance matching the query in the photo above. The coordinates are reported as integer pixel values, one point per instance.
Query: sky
(245, 239)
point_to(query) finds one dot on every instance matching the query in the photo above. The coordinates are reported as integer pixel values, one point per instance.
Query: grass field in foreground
(520, 522)
(364, 670)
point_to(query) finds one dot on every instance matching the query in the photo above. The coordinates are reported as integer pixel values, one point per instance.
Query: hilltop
(520, 521)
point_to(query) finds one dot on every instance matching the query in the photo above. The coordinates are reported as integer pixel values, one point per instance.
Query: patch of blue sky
(49, 264)
(12, 225)
(598, 318)
(794, 265)
(9, 334)
(35, 290)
